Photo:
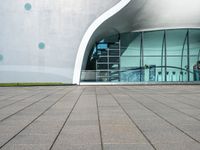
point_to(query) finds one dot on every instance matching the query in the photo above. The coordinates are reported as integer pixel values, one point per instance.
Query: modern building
(115, 41)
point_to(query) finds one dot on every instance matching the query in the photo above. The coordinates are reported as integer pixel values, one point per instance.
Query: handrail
(142, 68)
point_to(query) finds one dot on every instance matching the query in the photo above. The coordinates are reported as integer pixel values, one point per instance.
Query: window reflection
(153, 56)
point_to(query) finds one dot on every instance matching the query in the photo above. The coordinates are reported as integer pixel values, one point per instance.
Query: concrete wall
(60, 24)
(144, 15)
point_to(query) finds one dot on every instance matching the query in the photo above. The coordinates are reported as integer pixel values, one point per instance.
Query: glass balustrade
(152, 56)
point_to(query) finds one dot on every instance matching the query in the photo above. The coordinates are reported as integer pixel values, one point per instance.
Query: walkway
(100, 118)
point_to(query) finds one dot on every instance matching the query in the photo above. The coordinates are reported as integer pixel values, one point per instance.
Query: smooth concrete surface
(162, 117)
(59, 24)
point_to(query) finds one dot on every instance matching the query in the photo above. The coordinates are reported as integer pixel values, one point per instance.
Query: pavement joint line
(150, 91)
(36, 118)
(148, 140)
(177, 101)
(183, 102)
(194, 106)
(11, 97)
(39, 100)
(99, 121)
(65, 122)
(188, 103)
(25, 92)
(162, 117)
(36, 92)
(20, 100)
(191, 97)
(172, 107)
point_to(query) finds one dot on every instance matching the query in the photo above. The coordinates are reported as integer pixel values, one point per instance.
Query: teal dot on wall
(27, 6)
(1, 57)
(41, 45)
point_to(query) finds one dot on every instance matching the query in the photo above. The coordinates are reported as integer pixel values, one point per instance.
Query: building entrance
(153, 56)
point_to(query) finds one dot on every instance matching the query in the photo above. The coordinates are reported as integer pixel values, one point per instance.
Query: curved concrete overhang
(156, 14)
(89, 38)
(141, 15)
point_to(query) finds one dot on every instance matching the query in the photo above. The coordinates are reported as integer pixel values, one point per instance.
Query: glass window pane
(195, 55)
(153, 55)
(176, 54)
(128, 62)
(130, 50)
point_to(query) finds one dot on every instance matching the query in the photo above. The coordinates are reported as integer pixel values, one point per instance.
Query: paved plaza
(100, 118)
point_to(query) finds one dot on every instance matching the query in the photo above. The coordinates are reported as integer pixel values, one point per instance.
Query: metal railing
(141, 74)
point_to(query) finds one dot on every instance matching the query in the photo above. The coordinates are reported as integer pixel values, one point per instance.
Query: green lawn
(33, 84)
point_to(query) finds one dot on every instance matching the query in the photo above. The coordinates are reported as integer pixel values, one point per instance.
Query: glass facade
(153, 56)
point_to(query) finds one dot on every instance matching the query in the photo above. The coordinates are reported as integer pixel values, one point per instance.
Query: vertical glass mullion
(182, 55)
(96, 62)
(165, 51)
(108, 62)
(162, 55)
(141, 55)
(188, 55)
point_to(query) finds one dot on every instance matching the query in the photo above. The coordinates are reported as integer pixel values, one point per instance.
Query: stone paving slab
(100, 118)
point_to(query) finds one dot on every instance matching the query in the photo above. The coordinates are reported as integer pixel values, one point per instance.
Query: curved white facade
(61, 26)
(88, 36)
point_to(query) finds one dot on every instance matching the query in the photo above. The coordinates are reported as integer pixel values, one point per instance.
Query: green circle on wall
(41, 45)
(1, 57)
(27, 6)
